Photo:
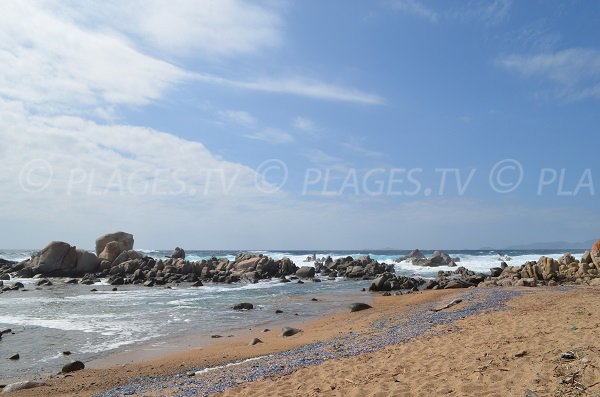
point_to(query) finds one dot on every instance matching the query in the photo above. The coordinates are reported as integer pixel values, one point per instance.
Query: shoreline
(105, 375)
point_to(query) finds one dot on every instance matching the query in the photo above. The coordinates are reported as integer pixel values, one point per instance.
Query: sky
(277, 124)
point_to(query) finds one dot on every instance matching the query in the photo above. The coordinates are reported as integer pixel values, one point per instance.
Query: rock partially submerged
(243, 306)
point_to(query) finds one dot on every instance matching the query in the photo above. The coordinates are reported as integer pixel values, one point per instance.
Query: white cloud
(303, 124)
(203, 29)
(416, 8)
(51, 61)
(357, 146)
(489, 12)
(575, 72)
(297, 86)
(485, 11)
(240, 117)
(271, 135)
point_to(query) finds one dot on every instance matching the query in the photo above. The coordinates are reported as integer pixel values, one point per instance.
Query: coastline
(110, 372)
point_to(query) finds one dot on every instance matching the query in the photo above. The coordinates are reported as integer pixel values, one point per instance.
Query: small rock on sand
(357, 307)
(255, 341)
(289, 331)
(14, 357)
(74, 366)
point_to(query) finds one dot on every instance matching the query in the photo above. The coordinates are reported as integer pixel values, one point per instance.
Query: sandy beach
(499, 353)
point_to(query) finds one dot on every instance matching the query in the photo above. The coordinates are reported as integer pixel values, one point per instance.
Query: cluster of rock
(438, 258)
(548, 271)
(363, 267)
(459, 278)
(389, 281)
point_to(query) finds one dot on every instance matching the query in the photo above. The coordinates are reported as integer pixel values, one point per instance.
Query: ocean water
(45, 322)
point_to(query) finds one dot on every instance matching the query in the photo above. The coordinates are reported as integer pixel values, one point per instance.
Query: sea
(46, 322)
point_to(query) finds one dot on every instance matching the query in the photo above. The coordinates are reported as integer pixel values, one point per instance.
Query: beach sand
(496, 354)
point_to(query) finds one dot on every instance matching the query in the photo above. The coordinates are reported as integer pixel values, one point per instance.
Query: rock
(549, 267)
(566, 259)
(87, 262)
(128, 256)
(22, 386)
(110, 252)
(496, 271)
(306, 272)
(437, 259)
(66, 353)
(568, 356)
(243, 306)
(587, 258)
(289, 331)
(178, 253)
(278, 311)
(595, 254)
(15, 357)
(72, 367)
(529, 393)
(124, 242)
(255, 341)
(57, 258)
(216, 336)
(198, 284)
(357, 307)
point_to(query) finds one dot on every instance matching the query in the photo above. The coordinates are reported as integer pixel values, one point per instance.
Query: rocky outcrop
(547, 271)
(413, 255)
(363, 267)
(459, 278)
(438, 258)
(58, 259)
(391, 282)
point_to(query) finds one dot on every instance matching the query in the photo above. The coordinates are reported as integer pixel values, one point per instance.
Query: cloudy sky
(300, 124)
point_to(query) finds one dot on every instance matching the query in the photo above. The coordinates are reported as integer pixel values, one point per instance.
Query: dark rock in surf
(243, 306)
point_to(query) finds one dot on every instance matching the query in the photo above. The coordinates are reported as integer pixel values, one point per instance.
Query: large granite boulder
(549, 267)
(110, 252)
(87, 262)
(57, 258)
(306, 272)
(124, 242)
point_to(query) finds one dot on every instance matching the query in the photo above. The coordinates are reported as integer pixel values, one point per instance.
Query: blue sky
(300, 125)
